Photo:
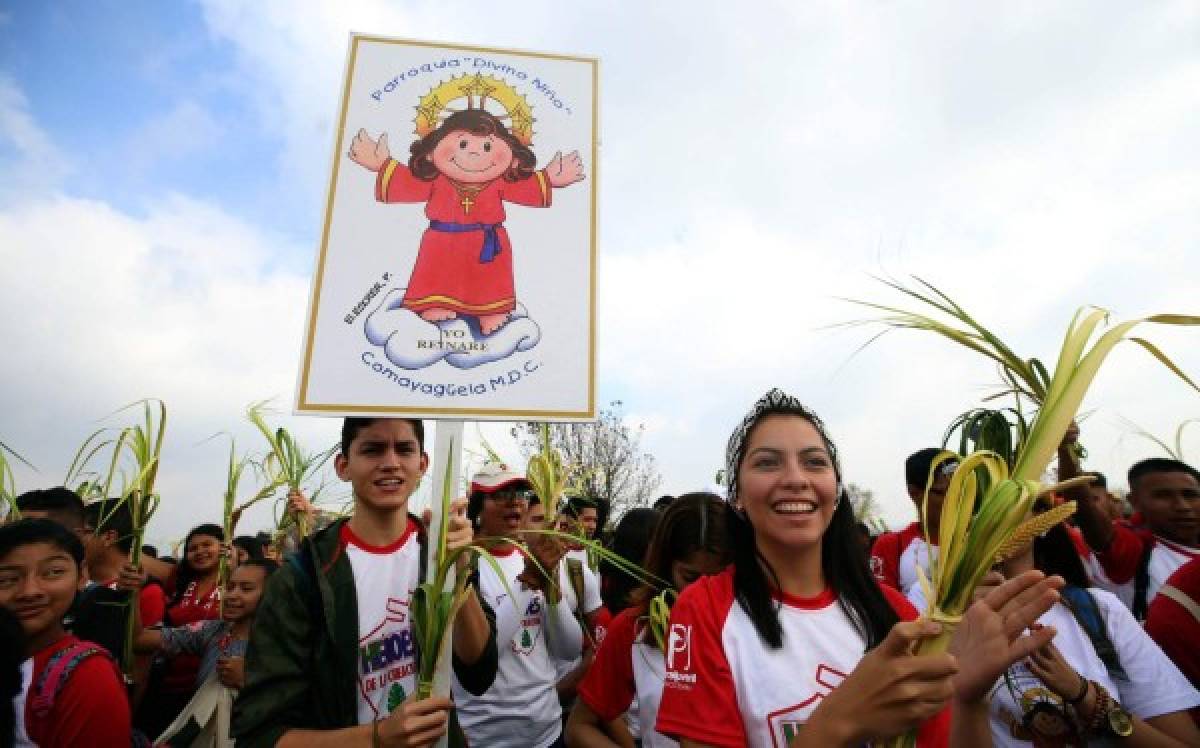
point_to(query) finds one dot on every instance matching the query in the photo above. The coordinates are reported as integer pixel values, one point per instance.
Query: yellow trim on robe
(457, 303)
(385, 178)
(541, 175)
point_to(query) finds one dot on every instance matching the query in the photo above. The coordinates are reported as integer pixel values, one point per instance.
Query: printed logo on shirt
(785, 724)
(531, 627)
(877, 567)
(387, 656)
(679, 648)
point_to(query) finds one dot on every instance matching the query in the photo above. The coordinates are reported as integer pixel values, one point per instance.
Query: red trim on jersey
(495, 551)
(1173, 627)
(1120, 559)
(1183, 550)
(609, 687)
(887, 550)
(822, 600)
(348, 537)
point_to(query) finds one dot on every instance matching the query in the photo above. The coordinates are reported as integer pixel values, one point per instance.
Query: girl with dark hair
(195, 597)
(795, 643)
(627, 676)
(1102, 676)
(464, 171)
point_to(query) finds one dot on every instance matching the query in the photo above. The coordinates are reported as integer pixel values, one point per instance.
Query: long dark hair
(630, 540)
(1054, 553)
(477, 122)
(693, 523)
(843, 560)
(184, 573)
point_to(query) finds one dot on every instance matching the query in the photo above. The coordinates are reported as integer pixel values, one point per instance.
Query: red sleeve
(1081, 546)
(534, 191)
(152, 604)
(1120, 559)
(395, 184)
(935, 731)
(601, 621)
(885, 559)
(699, 699)
(608, 689)
(1173, 627)
(91, 709)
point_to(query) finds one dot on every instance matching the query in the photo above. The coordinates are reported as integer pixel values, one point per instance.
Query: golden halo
(476, 89)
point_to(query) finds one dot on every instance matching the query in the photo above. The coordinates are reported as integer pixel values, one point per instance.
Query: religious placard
(456, 273)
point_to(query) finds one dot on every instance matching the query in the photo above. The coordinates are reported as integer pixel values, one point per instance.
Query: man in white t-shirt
(535, 622)
(332, 658)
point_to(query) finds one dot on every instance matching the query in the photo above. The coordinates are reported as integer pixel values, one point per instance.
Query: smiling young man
(332, 657)
(71, 689)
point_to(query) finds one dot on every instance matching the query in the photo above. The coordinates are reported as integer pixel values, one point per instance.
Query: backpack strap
(54, 675)
(1087, 614)
(1184, 599)
(1141, 581)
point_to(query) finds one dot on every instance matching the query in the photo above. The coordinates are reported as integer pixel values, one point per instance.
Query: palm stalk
(144, 444)
(286, 459)
(1175, 451)
(658, 616)
(547, 472)
(8, 481)
(987, 502)
(231, 512)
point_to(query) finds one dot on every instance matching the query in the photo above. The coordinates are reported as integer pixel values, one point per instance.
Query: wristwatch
(1109, 715)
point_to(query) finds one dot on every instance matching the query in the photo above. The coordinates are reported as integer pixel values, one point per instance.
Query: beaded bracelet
(1084, 683)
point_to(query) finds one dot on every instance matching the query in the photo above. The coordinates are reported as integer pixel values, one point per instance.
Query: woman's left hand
(1048, 664)
(989, 639)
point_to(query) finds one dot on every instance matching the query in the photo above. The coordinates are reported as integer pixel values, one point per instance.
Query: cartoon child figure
(464, 171)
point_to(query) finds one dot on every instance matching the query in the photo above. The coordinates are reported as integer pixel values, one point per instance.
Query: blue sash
(491, 241)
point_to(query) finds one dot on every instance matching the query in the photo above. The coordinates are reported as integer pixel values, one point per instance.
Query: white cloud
(28, 156)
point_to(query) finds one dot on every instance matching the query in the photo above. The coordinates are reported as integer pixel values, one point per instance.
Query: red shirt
(1173, 627)
(191, 607)
(152, 603)
(90, 709)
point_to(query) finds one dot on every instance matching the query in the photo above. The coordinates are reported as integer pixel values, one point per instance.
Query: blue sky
(163, 167)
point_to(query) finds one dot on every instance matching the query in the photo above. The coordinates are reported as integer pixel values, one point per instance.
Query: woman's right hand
(890, 692)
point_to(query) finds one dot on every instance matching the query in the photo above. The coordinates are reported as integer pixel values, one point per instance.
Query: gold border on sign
(302, 403)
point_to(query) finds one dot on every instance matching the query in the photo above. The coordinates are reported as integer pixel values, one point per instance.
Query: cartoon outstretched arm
(564, 171)
(367, 153)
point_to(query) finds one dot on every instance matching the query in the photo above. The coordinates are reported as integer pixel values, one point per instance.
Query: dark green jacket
(302, 660)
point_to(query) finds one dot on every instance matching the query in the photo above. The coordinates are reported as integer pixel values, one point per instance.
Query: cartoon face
(472, 159)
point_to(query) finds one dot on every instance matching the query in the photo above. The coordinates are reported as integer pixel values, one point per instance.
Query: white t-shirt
(591, 603)
(1154, 686)
(521, 708)
(384, 579)
(896, 556)
(20, 737)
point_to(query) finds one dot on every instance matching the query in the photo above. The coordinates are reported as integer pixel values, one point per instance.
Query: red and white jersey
(1120, 560)
(627, 678)
(724, 686)
(896, 556)
(521, 708)
(384, 578)
(20, 737)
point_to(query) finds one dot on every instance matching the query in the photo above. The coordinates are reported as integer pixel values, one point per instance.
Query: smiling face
(203, 553)
(383, 465)
(38, 582)
(243, 592)
(787, 485)
(471, 159)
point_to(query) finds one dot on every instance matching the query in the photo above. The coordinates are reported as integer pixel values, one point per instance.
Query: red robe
(449, 272)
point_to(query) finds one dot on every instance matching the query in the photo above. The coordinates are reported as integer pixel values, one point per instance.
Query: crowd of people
(758, 618)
